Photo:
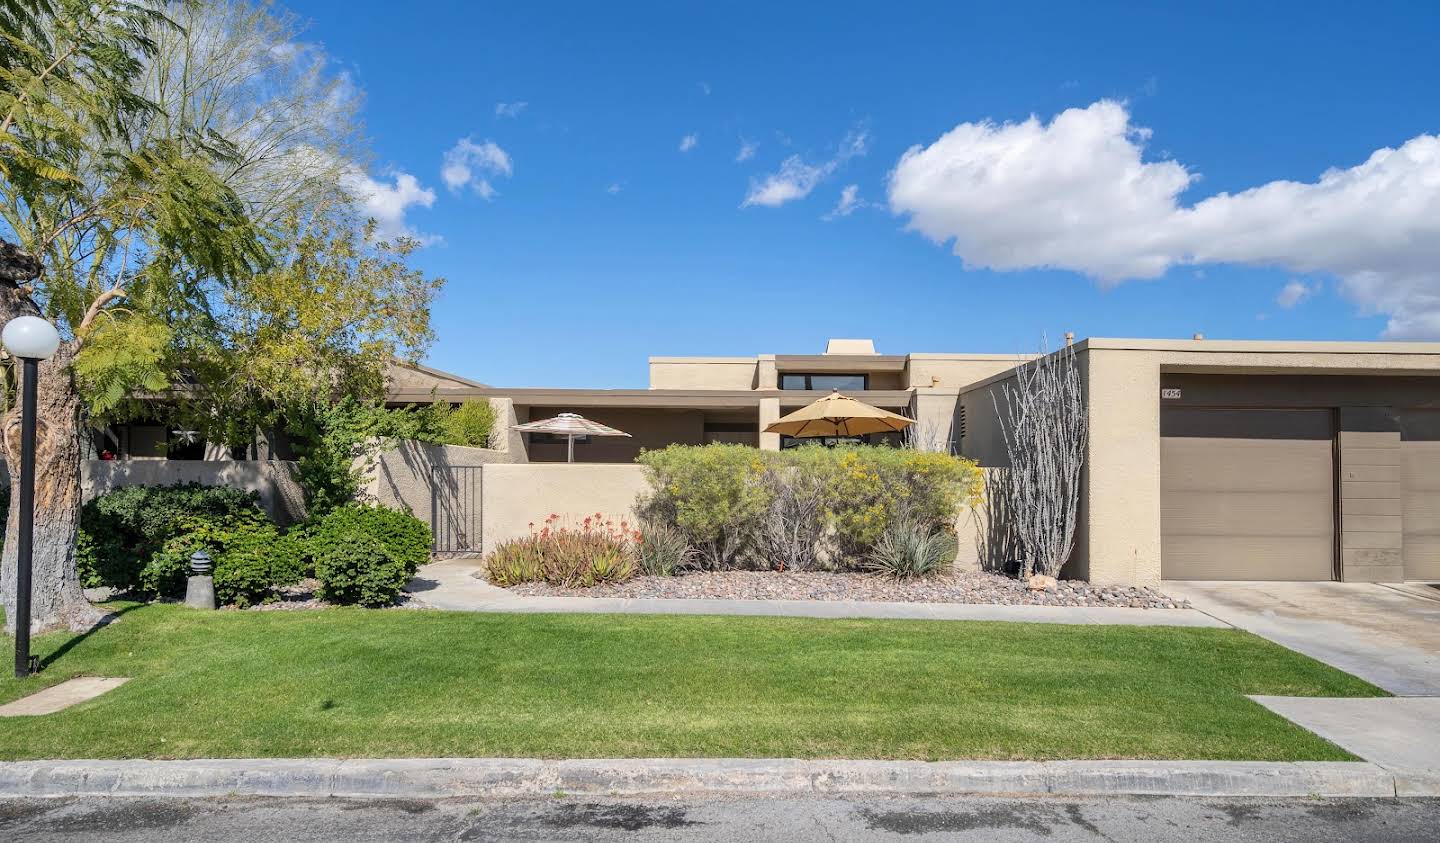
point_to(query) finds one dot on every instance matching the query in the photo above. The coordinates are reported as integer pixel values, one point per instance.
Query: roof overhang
(659, 399)
(840, 362)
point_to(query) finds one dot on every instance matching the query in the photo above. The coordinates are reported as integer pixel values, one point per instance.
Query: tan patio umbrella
(570, 425)
(837, 415)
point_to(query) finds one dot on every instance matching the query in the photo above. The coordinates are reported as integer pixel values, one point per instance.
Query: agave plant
(909, 549)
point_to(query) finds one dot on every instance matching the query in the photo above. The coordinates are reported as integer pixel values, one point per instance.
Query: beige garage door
(1247, 494)
(1420, 488)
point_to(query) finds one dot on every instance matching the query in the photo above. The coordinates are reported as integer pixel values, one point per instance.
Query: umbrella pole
(569, 447)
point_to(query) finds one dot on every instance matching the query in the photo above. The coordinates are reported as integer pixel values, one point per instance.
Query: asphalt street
(790, 819)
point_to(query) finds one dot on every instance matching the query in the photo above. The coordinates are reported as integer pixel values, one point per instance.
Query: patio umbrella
(836, 415)
(570, 425)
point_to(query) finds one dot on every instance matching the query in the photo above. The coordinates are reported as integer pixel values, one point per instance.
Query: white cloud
(386, 201)
(705, 88)
(796, 179)
(747, 150)
(614, 188)
(849, 201)
(1294, 292)
(1076, 194)
(690, 141)
(510, 109)
(468, 163)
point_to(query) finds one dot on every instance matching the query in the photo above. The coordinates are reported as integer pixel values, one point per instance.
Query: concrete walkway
(1381, 634)
(1401, 734)
(451, 585)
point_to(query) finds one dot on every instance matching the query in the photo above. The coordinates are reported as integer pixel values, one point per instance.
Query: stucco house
(1208, 459)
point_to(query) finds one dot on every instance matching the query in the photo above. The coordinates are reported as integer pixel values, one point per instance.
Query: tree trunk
(56, 597)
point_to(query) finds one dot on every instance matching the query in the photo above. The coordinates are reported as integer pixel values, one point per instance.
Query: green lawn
(350, 682)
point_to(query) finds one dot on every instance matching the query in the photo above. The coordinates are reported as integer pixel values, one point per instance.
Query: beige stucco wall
(515, 496)
(954, 371)
(280, 494)
(1118, 539)
(702, 372)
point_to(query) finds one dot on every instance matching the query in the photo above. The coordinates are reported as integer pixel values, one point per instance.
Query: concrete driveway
(1389, 636)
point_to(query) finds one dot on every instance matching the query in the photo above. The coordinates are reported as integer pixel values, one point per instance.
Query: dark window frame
(810, 380)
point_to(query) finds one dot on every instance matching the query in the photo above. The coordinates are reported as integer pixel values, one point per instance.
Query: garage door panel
(1247, 513)
(1420, 463)
(1261, 558)
(1227, 465)
(1247, 494)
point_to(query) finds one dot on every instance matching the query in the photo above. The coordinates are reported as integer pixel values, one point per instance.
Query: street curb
(503, 777)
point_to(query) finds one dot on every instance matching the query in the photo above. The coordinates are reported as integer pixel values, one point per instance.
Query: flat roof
(1270, 346)
(672, 399)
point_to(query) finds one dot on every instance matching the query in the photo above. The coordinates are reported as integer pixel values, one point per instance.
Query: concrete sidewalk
(1386, 636)
(521, 777)
(450, 585)
(1399, 734)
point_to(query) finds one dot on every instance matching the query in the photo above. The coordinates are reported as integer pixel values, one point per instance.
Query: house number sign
(1170, 393)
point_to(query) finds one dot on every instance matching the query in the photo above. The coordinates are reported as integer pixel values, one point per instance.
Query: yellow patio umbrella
(837, 415)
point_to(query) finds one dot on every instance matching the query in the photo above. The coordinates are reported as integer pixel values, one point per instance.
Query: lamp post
(31, 339)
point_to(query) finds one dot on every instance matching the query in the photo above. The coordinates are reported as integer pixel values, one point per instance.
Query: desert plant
(514, 561)
(661, 549)
(803, 507)
(599, 550)
(909, 549)
(1045, 427)
(712, 493)
(789, 534)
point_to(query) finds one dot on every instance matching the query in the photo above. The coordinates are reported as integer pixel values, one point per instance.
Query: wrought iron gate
(455, 508)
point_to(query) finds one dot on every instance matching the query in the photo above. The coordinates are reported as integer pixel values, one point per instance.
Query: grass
(350, 682)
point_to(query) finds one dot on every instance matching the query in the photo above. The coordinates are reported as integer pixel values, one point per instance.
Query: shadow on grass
(73, 641)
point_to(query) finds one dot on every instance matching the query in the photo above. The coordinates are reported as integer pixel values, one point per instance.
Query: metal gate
(455, 508)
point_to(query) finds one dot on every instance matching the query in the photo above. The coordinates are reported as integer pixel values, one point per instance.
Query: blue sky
(606, 243)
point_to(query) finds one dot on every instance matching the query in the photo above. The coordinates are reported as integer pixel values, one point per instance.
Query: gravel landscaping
(976, 587)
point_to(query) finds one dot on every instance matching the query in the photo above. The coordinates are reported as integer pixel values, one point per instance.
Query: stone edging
(500, 777)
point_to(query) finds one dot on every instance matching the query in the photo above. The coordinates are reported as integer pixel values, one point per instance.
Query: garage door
(1247, 494)
(1420, 490)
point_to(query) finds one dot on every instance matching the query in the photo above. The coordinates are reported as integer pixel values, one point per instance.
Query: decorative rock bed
(976, 587)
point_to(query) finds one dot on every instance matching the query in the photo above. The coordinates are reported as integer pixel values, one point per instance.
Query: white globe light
(30, 337)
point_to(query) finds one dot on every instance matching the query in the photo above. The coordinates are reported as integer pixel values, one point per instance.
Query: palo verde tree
(169, 198)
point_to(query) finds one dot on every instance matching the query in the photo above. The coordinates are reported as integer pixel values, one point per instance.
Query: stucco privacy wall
(515, 496)
(703, 373)
(274, 480)
(400, 477)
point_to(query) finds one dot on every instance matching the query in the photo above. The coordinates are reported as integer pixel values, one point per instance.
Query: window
(827, 382)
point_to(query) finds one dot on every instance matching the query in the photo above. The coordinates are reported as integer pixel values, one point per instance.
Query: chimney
(835, 346)
(1069, 337)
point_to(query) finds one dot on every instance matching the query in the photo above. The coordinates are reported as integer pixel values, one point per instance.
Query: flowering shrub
(805, 507)
(597, 551)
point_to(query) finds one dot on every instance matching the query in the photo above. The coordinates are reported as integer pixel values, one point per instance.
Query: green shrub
(741, 507)
(469, 424)
(122, 529)
(909, 549)
(712, 493)
(598, 551)
(406, 538)
(358, 569)
(248, 552)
